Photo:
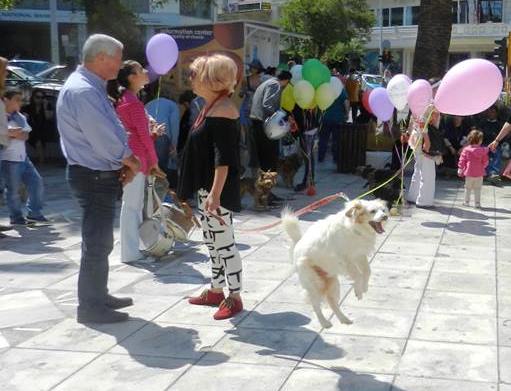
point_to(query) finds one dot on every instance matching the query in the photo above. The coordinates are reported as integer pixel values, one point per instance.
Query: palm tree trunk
(433, 39)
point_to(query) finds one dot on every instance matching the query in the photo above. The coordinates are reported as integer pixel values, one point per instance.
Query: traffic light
(500, 53)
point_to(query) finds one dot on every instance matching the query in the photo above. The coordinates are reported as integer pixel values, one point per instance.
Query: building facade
(476, 25)
(25, 30)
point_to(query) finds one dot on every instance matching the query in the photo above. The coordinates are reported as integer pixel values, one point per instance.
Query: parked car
(56, 73)
(34, 66)
(371, 81)
(27, 82)
(21, 79)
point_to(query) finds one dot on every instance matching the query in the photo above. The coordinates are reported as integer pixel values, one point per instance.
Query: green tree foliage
(331, 25)
(6, 4)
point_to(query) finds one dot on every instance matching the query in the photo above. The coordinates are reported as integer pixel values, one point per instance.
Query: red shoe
(207, 297)
(228, 308)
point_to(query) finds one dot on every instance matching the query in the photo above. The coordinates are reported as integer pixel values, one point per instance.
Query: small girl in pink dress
(472, 165)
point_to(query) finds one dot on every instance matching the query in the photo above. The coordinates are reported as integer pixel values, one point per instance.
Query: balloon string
(158, 96)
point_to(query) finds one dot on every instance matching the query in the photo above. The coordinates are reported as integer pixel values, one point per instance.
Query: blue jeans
(16, 173)
(495, 163)
(327, 129)
(96, 192)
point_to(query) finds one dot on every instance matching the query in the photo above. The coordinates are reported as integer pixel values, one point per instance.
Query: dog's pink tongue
(380, 228)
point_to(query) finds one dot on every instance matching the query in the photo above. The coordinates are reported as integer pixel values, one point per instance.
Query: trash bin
(352, 147)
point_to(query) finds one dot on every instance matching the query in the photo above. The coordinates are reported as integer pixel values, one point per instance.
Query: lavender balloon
(162, 52)
(380, 104)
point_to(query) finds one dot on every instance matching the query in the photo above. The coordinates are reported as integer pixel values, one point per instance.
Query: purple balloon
(151, 74)
(162, 52)
(380, 104)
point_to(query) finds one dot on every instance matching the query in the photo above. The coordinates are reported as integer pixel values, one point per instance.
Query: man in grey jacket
(265, 102)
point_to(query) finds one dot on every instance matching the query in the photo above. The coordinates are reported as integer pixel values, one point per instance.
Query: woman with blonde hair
(210, 167)
(4, 133)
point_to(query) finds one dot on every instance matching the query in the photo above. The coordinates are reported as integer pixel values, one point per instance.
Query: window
(489, 11)
(460, 14)
(195, 8)
(386, 21)
(396, 16)
(411, 17)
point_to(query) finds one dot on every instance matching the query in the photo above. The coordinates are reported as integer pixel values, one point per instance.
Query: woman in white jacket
(422, 186)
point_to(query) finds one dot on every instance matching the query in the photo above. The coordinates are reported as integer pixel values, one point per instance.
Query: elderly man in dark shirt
(95, 145)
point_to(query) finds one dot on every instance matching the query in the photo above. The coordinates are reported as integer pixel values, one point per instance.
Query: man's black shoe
(4, 228)
(100, 315)
(118, 302)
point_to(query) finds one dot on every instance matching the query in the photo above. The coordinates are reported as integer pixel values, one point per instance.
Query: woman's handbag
(153, 232)
(178, 218)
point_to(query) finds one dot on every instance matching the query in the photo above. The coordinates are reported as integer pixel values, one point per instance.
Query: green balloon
(315, 72)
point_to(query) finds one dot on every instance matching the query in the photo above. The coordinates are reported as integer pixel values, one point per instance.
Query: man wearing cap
(265, 102)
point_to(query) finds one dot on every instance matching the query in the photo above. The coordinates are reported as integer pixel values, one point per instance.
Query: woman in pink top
(472, 165)
(131, 79)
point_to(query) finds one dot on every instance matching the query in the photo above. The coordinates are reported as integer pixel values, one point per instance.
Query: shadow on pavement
(152, 341)
(472, 227)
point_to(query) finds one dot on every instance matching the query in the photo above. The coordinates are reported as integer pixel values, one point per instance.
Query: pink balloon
(380, 104)
(420, 96)
(469, 87)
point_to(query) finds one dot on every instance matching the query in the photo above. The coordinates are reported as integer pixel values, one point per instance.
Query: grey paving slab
(374, 322)
(387, 298)
(462, 282)
(459, 303)
(305, 379)
(281, 316)
(39, 370)
(474, 329)
(176, 341)
(402, 262)
(124, 373)
(480, 266)
(450, 361)
(220, 377)
(265, 347)
(28, 307)
(184, 313)
(505, 364)
(408, 279)
(358, 353)
(72, 336)
(427, 384)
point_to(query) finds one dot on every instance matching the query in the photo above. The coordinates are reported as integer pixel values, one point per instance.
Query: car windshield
(373, 79)
(32, 66)
(27, 75)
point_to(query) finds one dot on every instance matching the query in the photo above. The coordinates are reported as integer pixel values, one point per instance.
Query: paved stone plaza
(437, 315)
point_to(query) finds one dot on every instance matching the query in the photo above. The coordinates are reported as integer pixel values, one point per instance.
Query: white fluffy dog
(337, 245)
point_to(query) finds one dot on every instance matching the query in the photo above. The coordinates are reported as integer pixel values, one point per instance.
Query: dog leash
(307, 209)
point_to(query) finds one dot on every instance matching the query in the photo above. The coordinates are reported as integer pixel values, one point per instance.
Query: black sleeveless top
(214, 143)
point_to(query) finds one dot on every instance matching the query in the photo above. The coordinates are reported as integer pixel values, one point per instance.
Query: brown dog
(259, 188)
(287, 168)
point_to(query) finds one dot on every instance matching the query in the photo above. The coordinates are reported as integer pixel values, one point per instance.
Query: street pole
(54, 32)
(381, 33)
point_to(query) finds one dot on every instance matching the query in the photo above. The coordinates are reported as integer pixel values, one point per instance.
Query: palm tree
(433, 39)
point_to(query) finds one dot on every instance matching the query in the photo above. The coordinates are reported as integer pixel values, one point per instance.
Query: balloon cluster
(162, 53)
(468, 88)
(311, 87)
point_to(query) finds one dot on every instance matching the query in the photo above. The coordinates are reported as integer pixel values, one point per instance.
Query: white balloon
(296, 72)
(398, 89)
(336, 85)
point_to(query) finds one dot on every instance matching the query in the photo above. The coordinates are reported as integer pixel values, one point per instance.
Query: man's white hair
(100, 43)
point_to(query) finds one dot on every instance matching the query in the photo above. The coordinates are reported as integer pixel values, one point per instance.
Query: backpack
(436, 138)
